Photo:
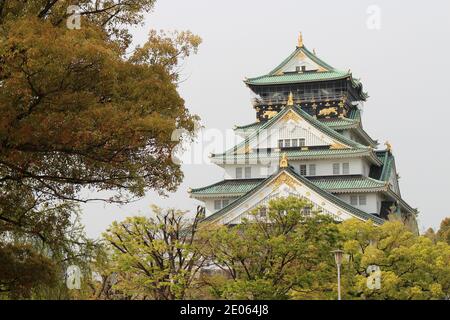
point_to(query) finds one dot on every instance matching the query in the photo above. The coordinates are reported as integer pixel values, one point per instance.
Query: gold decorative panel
(285, 178)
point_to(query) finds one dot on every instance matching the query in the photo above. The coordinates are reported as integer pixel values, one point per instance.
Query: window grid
(291, 143)
(287, 143)
(280, 143)
(248, 172)
(238, 173)
(346, 168)
(362, 200)
(336, 168)
(312, 169)
(303, 169)
(301, 142)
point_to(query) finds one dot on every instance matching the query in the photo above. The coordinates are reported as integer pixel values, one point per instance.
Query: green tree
(412, 267)
(155, 258)
(79, 109)
(443, 233)
(22, 270)
(280, 254)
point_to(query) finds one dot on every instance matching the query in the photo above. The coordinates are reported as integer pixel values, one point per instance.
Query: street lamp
(338, 254)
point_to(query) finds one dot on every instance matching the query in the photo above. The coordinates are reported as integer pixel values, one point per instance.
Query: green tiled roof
(251, 126)
(334, 184)
(297, 154)
(352, 120)
(388, 161)
(355, 114)
(314, 122)
(340, 123)
(330, 73)
(228, 187)
(306, 182)
(308, 53)
(298, 77)
(348, 183)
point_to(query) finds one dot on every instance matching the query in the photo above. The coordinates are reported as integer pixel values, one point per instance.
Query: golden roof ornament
(388, 146)
(284, 161)
(300, 40)
(290, 101)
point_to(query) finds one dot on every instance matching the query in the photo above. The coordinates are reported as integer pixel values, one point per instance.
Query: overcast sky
(399, 49)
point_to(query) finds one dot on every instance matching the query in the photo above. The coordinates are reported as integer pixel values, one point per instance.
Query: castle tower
(308, 141)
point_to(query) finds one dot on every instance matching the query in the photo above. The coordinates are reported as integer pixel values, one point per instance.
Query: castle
(308, 141)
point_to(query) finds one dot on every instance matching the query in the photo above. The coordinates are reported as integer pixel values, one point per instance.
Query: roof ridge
(334, 134)
(309, 54)
(316, 59)
(328, 129)
(286, 60)
(338, 200)
(331, 197)
(247, 125)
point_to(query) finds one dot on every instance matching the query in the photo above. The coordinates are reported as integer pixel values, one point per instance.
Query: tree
(412, 267)
(443, 233)
(280, 254)
(156, 258)
(79, 111)
(22, 270)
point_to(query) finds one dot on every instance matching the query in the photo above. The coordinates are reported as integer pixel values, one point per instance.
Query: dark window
(303, 169)
(280, 143)
(287, 143)
(301, 142)
(336, 169)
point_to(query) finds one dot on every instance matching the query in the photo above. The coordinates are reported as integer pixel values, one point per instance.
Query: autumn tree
(81, 110)
(156, 258)
(279, 254)
(443, 233)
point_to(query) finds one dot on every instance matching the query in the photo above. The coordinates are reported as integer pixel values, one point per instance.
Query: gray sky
(402, 59)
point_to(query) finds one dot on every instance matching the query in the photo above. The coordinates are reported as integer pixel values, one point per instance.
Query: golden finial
(284, 161)
(290, 101)
(300, 40)
(388, 146)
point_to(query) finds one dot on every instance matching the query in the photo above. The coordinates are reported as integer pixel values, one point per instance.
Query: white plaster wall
(258, 170)
(209, 204)
(291, 129)
(323, 167)
(373, 202)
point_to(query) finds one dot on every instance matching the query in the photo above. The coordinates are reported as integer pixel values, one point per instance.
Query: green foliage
(284, 253)
(156, 257)
(412, 267)
(287, 255)
(78, 111)
(444, 231)
(22, 270)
